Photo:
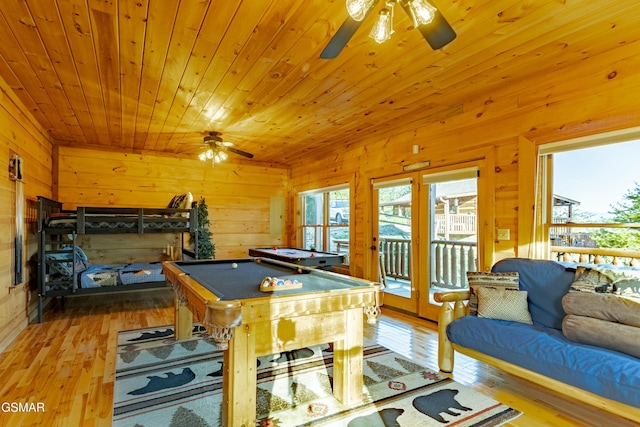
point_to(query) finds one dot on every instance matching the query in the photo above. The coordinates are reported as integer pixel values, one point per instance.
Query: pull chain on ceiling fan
(426, 18)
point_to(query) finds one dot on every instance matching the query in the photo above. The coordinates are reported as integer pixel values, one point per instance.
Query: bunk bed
(63, 267)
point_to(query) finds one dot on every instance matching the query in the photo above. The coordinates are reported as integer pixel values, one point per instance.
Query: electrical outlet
(504, 234)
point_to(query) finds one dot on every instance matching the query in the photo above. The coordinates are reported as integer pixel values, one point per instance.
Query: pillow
(609, 307)
(503, 304)
(81, 259)
(627, 288)
(476, 279)
(546, 283)
(63, 268)
(602, 333)
(591, 280)
(607, 279)
(66, 268)
(181, 201)
(80, 255)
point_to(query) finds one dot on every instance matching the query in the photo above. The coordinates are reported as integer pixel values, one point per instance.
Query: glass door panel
(394, 242)
(452, 228)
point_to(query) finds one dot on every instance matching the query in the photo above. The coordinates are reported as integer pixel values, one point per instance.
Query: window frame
(582, 254)
(326, 226)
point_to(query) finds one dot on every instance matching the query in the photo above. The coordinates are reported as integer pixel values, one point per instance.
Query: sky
(597, 177)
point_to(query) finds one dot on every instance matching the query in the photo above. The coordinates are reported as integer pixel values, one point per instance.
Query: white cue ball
(234, 265)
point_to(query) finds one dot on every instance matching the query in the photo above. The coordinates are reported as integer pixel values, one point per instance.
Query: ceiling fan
(426, 18)
(217, 149)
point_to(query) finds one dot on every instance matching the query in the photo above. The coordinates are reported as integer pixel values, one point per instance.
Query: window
(325, 220)
(594, 204)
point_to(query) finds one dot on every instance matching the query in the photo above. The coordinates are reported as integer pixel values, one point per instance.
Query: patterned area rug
(161, 382)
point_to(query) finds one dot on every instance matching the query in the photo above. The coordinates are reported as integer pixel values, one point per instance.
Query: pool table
(299, 256)
(246, 322)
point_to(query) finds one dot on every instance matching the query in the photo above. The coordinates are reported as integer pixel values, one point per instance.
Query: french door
(394, 241)
(424, 236)
(450, 232)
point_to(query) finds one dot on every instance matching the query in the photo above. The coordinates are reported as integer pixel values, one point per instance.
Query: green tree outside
(624, 211)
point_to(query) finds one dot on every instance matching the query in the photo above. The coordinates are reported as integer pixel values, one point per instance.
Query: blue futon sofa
(540, 351)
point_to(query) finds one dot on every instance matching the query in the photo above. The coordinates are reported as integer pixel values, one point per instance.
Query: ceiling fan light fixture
(358, 8)
(217, 149)
(422, 12)
(383, 28)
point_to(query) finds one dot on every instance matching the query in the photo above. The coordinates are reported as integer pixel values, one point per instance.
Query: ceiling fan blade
(438, 33)
(343, 35)
(341, 38)
(240, 152)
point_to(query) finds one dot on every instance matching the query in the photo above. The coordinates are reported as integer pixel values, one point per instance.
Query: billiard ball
(234, 265)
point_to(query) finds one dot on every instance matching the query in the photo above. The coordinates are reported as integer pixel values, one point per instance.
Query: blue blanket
(101, 275)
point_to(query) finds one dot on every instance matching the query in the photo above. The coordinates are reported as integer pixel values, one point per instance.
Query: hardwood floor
(68, 362)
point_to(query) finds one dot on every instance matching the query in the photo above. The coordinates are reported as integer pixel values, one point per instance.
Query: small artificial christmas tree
(206, 248)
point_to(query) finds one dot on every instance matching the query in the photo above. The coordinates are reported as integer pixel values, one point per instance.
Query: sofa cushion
(479, 279)
(546, 283)
(602, 333)
(609, 307)
(547, 351)
(503, 304)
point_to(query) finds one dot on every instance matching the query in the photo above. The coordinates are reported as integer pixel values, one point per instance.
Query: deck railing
(596, 255)
(450, 262)
(396, 258)
(447, 224)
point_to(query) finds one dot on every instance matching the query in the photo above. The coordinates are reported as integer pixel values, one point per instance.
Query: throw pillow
(66, 268)
(503, 304)
(476, 279)
(627, 288)
(63, 268)
(181, 201)
(82, 257)
(591, 280)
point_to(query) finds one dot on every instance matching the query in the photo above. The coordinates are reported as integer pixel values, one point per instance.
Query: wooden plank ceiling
(157, 75)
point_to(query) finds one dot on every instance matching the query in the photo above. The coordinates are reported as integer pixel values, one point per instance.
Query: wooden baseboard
(584, 396)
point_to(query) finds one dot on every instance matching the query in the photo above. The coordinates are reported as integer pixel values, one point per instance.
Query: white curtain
(533, 201)
(539, 247)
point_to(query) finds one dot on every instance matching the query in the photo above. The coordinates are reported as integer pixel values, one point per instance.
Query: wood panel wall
(20, 134)
(597, 96)
(238, 195)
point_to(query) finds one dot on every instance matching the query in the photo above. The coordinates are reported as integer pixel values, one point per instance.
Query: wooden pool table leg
(183, 322)
(348, 360)
(239, 380)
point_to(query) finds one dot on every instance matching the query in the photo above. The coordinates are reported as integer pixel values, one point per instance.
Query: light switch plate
(504, 234)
